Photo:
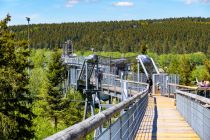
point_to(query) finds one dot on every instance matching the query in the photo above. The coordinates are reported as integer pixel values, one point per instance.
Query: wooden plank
(163, 122)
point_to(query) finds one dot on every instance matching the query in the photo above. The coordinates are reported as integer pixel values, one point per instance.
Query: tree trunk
(56, 123)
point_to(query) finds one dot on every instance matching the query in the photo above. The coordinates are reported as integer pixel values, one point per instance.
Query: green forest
(32, 102)
(163, 36)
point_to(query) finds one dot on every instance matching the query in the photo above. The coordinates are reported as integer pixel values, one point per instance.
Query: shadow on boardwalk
(154, 125)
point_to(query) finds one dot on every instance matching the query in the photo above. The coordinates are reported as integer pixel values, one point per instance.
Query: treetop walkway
(130, 113)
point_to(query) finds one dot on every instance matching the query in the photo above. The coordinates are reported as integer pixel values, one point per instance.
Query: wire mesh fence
(195, 113)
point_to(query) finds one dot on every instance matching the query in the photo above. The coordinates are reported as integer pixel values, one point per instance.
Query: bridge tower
(67, 48)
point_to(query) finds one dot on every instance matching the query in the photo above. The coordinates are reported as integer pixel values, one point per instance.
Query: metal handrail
(129, 81)
(194, 96)
(112, 75)
(83, 128)
(196, 113)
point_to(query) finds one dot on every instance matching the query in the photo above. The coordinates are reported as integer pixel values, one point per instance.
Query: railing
(128, 122)
(126, 126)
(114, 81)
(162, 81)
(194, 109)
(74, 60)
(171, 87)
(122, 89)
(202, 91)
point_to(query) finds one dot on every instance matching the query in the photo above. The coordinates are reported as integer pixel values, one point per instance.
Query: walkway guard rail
(113, 83)
(74, 60)
(126, 126)
(193, 108)
(172, 87)
(136, 105)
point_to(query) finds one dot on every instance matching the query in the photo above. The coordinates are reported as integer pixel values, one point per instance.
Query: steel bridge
(127, 111)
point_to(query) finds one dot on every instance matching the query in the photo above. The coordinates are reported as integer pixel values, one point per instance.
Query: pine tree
(15, 100)
(55, 95)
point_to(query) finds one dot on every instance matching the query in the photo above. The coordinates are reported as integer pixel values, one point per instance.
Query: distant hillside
(178, 35)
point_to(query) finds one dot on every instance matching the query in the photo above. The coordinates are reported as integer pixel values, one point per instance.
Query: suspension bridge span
(130, 105)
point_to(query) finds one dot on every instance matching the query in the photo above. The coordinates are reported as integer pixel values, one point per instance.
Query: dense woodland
(173, 35)
(32, 102)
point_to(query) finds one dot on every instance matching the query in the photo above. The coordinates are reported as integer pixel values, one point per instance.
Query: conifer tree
(15, 100)
(55, 95)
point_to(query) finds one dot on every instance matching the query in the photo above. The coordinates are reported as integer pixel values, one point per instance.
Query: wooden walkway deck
(163, 122)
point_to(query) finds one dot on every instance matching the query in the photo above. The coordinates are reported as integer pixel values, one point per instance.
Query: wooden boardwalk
(163, 122)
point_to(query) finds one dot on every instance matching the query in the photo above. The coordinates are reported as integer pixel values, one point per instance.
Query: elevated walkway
(135, 116)
(162, 121)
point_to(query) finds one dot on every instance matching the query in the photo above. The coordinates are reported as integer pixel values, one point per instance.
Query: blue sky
(58, 11)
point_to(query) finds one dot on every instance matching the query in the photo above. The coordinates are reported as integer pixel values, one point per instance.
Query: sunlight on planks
(163, 122)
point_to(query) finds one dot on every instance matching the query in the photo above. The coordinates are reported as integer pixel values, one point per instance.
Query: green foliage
(110, 54)
(74, 111)
(168, 62)
(46, 68)
(55, 75)
(185, 69)
(201, 73)
(131, 54)
(188, 66)
(38, 58)
(207, 65)
(197, 58)
(38, 82)
(15, 100)
(43, 123)
(84, 53)
(177, 35)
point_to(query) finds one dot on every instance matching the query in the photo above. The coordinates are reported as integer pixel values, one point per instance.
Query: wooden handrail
(183, 86)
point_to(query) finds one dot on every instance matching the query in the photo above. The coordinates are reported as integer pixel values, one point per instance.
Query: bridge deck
(163, 121)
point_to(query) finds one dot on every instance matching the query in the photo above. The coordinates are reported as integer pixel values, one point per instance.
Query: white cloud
(195, 1)
(71, 3)
(123, 4)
